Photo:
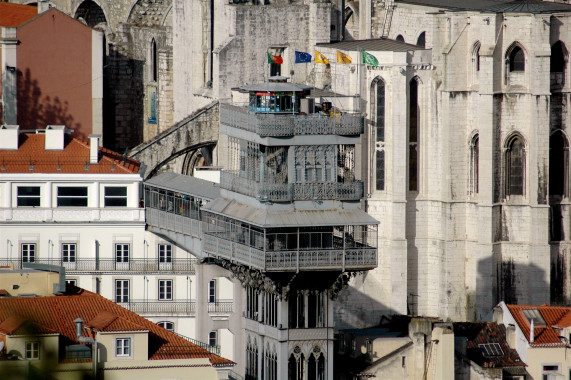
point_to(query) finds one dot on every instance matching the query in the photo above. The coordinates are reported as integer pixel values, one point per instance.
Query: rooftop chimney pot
(9, 137)
(55, 135)
(94, 149)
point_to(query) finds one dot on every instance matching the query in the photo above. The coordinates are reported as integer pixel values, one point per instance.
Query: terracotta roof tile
(485, 333)
(13, 15)
(31, 157)
(57, 313)
(548, 335)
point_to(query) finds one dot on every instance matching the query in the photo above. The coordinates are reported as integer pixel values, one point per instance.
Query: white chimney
(43, 5)
(532, 331)
(55, 137)
(94, 149)
(9, 137)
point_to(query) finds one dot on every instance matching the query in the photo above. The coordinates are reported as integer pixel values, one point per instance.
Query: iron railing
(152, 306)
(285, 124)
(355, 258)
(176, 265)
(230, 180)
(221, 306)
(213, 349)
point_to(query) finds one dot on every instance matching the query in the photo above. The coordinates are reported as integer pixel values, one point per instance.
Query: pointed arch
(474, 184)
(515, 165)
(515, 57)
(153, 61)
(91, 12)
(399, 38)
(413, 132)
(476, 56)
(558, 164)
(377, 115)
(421, 40)
(559, 57)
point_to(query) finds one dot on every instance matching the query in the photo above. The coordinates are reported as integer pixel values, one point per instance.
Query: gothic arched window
(558, 54)
(413, 132)
(400, 38)
(474, 164)
(421, 41)
(154, 61)
(515, 166)
(558, 165)
(517, 59)
(378, 118)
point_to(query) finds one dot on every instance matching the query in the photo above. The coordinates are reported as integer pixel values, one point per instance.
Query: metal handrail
(152, 306)
(210, 348)
(185, 265)
(221, 306)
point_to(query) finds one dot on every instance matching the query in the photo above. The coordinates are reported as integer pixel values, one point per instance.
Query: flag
(320, 58)
(343, 58)
(369, 59)
(275, 59)
(302, 57)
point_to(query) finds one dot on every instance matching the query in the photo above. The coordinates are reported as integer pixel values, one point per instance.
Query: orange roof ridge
(14, 15)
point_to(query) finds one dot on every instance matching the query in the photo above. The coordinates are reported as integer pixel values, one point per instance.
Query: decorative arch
(377, 116)
(399, 38)
(559, 57)
(91, 12)
(153, 61)
(476, 56)
(421, 40)
(514, 165)
(474, 149)
(515, 57)
(141, 9)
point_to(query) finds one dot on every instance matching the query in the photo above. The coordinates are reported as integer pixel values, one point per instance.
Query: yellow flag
(343, 58)
(320, 58)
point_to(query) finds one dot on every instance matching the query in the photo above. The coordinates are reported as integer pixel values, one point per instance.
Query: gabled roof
(13, 15)
(555, 317)
(74, 158)
(57, 314)
(373, 44)
(485, 334)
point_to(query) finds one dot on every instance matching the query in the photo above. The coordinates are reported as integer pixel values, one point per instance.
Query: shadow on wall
(36, 110)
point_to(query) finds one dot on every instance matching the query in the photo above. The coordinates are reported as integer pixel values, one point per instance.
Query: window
(341, 342)
(71, 282)
(414, 123)
(123, 347)
(551, 372)
(121, 291)
(515, 166)
(316, 310)
(28, 196)
(400, 38)
(296, 311)
(295, 366)
(72, 196)
(28, 252)
(558, 57)
(491, 349)
(165, 290)
(271, 364)
(535, 315)
(421, 41)
(516, 59)
(154, 61)
(122, 253)
(166, 325)
(116, 196)
(476, 56)
(252, 303)
(32, 350)
(213, 338)
(270, 309)
(212, 291)
(276, 68)
(165, 253)
(558, 165)
(474, 164)
(251, 359)
(68, 252)
(378, 115)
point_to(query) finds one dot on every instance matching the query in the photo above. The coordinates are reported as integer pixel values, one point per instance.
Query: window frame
(122, 290)
(114, 197)
(125, 345)
(32, 350)
(122, 252)
(65, 253)
(213, 338)
(71, 281)
(212, 291)
(27, 255)
(509, 168)
(164, 251)
(165, 325)
(25, 197)
(165, 289)
(72, 198)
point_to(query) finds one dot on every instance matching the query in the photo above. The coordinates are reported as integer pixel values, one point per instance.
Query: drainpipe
(85, 339)
(532, 331)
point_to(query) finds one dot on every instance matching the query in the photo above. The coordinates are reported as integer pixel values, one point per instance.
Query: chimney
(43, 5)
(510, 335)
(93, 149)
(9, 137)
(79, 326)
(532, 331)
(55, 137)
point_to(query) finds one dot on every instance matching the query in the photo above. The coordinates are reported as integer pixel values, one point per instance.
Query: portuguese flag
(275, 59)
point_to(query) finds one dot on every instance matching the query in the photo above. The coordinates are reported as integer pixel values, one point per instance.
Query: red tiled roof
(74, 158)
(12, 15)
(485, 333)
(548, 335)
(57, 313)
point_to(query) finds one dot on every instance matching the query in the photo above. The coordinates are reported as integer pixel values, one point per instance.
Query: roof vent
(55, 137)
(94, 149)
(9, 137)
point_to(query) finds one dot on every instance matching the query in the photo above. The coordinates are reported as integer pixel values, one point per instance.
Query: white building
(69, 203)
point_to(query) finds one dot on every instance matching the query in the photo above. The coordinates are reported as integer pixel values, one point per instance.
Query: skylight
(535, 315)
(491, 349)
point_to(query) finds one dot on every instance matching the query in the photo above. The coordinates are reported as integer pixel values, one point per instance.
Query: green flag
(369, 59)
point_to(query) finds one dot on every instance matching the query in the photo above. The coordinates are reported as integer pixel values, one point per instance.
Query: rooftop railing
(230, 180)
(281, 125)
(208, 347)
(175, 265)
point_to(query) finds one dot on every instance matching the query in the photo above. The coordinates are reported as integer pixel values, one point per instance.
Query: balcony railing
(359, 258)
(281, 125)
(177, 265)
(173, 221)
(151, 306)
(221, 306)
(229, 180)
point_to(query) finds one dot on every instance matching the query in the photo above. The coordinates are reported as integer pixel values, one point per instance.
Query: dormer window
(123, 347)
(535, 315)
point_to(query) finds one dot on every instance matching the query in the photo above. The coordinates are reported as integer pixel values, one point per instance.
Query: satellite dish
(1, 346)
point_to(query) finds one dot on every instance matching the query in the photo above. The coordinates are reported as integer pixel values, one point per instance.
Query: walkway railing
(221, 306)
(268, 124)
(208, 347)
(151, 306)
(176, 265)
(230, 180)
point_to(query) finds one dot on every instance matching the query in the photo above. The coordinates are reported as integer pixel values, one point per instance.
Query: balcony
(177, 265)
(283, 125)
(288, 192)
(221, 306)
(358, 258)
(66, 214)
(152, 306)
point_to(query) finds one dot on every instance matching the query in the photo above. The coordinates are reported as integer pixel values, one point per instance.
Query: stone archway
(91, 13)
